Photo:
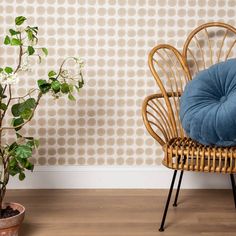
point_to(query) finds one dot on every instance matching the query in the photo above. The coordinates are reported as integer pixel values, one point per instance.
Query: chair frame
(182, 153)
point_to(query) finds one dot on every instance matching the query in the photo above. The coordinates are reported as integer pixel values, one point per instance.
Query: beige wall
(104, 126)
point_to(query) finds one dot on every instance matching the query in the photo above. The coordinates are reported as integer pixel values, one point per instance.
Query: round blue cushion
(208, 105)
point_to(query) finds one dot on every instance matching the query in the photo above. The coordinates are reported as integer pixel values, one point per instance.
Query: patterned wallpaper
(104, 126)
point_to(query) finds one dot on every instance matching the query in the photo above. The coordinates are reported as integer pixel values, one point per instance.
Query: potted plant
(17, 111)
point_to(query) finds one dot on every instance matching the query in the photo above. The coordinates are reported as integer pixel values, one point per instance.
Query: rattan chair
(206, 45)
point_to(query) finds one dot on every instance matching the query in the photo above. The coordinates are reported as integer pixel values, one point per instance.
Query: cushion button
(223, 99)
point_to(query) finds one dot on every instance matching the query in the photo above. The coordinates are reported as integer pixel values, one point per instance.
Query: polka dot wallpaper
(104, 126)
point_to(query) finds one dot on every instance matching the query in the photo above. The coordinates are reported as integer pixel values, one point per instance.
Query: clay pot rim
(12, 217)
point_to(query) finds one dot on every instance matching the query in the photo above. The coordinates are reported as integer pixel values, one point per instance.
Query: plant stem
(1, 191)
(62, 64)
(20, 55)
(2, 158)
(8, 103)
(27, 94)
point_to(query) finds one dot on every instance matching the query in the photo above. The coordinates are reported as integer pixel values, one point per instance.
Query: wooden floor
(125, 212)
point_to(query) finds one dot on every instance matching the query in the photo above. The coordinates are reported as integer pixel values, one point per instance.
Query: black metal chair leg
(178, 188)
(233, 188)
(167, 202)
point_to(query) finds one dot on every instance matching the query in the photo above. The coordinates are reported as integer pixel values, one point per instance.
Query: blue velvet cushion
(208, 105)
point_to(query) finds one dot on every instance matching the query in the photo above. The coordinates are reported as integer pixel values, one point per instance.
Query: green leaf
(1, 88)
(13, 32)
(30, 103)
(12, 162)
(15, 109)
(21, 108)
(26, 114)
(20, 20)
(30, 50)
(45, 51)
(3, 106)
(16, 42)
(31, 143)
(23, 151)
(81, 83)
(14, 168)
(41, 82)
(13, 146)
(21, 161)
(44, 86)
(18, 135)
(7, 40)
(71, 88)
(34, 29)
(30, 35)
(1, 70)
(65, 88)
(12, 171)
(8, 70)
(29, 166)
(21, 176)
(56, 86)
(24, 109)
(71, 97)
(17, 122)
(51, 73)
(36, 143)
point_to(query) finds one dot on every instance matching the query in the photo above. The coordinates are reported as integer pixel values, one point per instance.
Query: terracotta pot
(10, 226)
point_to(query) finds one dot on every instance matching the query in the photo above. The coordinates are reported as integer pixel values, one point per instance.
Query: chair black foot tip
(174, 204)
(161, 229)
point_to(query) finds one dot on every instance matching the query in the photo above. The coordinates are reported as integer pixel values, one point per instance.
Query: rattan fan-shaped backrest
(209, 44)
(171, 75)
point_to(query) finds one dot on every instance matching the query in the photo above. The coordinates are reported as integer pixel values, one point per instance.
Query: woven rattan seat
(186, 154)
(172, 69)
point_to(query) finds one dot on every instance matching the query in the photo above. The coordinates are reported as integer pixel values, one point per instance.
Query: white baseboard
(66, 177)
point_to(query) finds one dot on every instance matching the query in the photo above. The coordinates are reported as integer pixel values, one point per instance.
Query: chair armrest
(156, 117)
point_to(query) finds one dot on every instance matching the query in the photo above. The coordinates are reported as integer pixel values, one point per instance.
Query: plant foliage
(15, 157)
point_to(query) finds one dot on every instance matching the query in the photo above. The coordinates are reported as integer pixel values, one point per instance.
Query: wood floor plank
(125, 212)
